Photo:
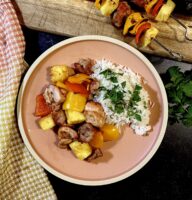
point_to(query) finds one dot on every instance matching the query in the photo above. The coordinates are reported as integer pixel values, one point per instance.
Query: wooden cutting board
(79, 17)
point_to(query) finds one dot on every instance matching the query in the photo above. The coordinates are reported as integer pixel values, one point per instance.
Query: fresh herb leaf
(102, 88)
(138, 117)
(108, 73)
(113, 79)
(187, 89)
(136, 95)
(175, 74)
(178, 86)
(138, 88)
(123, 84)
(119, 108)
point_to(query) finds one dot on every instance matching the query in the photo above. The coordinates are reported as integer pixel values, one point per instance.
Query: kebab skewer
(132, 22)
(161, 11)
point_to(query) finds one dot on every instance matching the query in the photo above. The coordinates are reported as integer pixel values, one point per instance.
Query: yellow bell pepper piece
(108, 6)
(61, 85)
(74, 102)
(150, 5)
(110, 132)
(79, 78)
(97, 140)
(131, 20)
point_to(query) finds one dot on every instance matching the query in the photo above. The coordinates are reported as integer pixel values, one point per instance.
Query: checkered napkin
(20, 175)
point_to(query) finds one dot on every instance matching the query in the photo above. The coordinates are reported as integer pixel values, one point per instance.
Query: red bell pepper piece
(157, 7)
(140, 30)
(77, 88)
(42, 109)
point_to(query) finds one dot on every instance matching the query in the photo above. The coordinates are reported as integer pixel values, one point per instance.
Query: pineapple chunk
(108, 6)
(46, 122)
(148, 36)
(74, 102)
(165, 11)
(60, 73)
(81, 150)
(74, 117)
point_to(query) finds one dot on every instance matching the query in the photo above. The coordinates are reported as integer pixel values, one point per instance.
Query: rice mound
(130, 79)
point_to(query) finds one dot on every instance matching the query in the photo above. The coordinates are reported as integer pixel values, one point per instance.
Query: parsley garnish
(137, 117)
(108, 73)
(178, 86)
(135, 98)
(123, 84)
(116, 95)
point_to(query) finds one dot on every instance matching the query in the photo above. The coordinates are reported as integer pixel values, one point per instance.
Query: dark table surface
(168, 175)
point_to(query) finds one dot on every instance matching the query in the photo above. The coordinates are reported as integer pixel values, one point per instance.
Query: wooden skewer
(174, 55)
(187, 28)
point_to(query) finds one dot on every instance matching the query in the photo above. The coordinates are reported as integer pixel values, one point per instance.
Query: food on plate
(60, 73)
(46, 122)
(81, 150)
(133, 22)
(88, 109)
(110, 132)
(122, 96)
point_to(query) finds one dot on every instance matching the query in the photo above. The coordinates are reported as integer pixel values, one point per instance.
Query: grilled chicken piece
(52, 94)
(94, 114)
(55, 107)
(84, 66)
(94, 118)
(121, 13)
(86, 132)
(94, 107)
(63, 143)
(59, 117)
(96, 154)
(94, 86)
(65, 132)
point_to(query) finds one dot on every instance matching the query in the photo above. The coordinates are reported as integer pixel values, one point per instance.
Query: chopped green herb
(119, 108)
(135, 95)
(113, 79)
(108, 73)
(138, 117)
(178, 86)
(138, 88)
(102, 88)
(123, 84)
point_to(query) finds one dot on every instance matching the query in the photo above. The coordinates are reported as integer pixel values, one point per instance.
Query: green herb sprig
(135, 98)
(178, 86)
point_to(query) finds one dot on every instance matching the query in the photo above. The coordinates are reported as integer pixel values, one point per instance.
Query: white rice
(123, 74)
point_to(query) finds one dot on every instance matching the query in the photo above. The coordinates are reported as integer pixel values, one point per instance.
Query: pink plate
(121, 158)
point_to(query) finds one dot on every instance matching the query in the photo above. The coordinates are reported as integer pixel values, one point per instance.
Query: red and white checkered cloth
(20, 175)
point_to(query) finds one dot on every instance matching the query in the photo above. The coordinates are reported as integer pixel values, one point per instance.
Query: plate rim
(163, 96)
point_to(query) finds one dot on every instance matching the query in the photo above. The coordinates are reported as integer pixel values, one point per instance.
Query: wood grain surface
(79, 17)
